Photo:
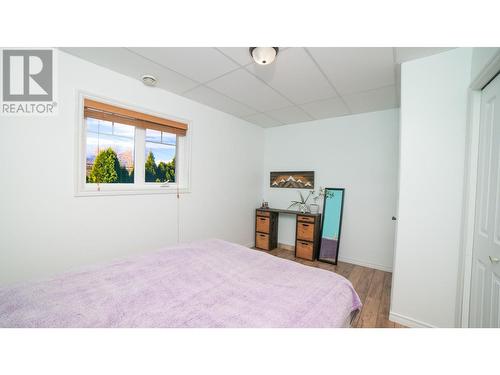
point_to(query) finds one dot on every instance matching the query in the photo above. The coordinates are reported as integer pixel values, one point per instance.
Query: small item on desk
(302, 204)
(314, 208)
(322, 193)
(264, 204)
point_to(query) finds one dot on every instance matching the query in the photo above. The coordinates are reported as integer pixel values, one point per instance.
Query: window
(122, 150)
(160, 156)
(110, 152)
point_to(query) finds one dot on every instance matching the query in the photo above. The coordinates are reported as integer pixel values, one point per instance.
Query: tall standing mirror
(332, 224)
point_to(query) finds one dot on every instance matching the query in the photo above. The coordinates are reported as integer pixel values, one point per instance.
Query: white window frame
(139, 186)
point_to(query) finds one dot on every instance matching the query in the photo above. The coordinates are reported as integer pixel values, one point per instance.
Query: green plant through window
(110, 152)
(160, 156)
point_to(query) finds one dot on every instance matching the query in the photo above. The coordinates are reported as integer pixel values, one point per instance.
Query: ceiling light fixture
(149, 80)
(264, 55)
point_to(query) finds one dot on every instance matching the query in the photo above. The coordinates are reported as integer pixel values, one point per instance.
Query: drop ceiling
(303, 84)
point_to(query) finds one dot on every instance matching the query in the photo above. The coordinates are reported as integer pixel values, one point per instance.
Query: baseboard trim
(358, 262)
(365, 264)
(407, 321)
(285, 246)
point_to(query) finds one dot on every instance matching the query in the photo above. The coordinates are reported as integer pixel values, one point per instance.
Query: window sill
(131, 191)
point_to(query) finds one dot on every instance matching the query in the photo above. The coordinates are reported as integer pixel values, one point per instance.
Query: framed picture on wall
(333, 207)
(294, 180)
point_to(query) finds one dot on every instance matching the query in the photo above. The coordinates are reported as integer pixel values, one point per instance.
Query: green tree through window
(150, 168)
(161, 172)
(107, 169)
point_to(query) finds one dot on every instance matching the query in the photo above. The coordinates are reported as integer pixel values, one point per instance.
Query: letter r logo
(27, 75)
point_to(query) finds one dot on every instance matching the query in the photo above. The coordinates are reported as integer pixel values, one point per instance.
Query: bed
(209, 283)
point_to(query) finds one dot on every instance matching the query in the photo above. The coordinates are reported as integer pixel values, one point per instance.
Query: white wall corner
(432, 129)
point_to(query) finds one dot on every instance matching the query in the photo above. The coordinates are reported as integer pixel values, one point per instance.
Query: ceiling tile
(262, 120)
(295, 75)
(366, 78)
(356, 69)
(126, 62)
(290, 115)
(326, 108)
(239, 54)
(213, 99)
(200, 64)
(410, 53)
(245, 88)
(373, 100)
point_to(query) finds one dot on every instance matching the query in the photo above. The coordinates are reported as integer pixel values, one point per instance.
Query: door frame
(470, 181)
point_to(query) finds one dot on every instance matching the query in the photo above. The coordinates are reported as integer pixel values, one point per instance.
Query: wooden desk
(307, 231)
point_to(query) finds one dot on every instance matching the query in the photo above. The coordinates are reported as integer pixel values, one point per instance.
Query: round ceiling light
(149, 80)
(264, 55)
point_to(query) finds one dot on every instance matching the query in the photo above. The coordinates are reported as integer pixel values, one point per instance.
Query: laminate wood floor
(373, 287)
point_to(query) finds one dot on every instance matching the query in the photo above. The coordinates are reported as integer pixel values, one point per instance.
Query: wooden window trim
(108, 112)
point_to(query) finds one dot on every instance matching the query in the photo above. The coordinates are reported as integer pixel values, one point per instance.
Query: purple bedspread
(211, 283)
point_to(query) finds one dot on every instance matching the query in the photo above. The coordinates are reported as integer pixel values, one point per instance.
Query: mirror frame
(325, 260)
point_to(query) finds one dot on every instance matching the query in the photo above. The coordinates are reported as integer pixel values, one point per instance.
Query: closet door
(485, 291)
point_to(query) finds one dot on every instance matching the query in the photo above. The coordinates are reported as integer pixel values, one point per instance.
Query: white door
(485, 291)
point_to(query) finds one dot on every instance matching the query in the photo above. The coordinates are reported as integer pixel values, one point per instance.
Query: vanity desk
(307, 231)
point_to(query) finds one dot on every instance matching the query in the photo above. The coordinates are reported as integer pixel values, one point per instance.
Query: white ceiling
(303, 84)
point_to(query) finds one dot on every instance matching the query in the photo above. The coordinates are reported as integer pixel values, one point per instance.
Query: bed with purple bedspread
(210, 283)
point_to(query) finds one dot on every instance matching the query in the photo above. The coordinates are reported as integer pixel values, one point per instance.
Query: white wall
(432, 152)
(358, 153)
(44, 229)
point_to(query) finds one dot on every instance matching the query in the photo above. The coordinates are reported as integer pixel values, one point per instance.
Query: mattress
(204, 284)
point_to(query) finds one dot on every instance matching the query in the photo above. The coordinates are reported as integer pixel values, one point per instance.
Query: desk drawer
(262, 241)
(263, 213)
(262, 224)
(306, 219)
(304, 250)
(305, 231)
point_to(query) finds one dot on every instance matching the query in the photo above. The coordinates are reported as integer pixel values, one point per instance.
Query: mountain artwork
(295, 180)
